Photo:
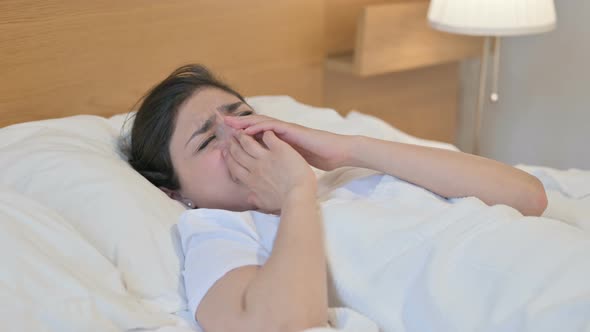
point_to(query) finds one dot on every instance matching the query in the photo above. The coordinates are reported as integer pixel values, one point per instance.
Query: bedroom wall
(65, 57)
(543, 116)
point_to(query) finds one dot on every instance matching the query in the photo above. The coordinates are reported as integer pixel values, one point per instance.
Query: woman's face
(196, 151)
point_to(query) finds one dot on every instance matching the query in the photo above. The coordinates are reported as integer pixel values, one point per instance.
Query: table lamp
(491, 18)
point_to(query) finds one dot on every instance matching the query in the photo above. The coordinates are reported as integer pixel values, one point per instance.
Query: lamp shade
(492, 17)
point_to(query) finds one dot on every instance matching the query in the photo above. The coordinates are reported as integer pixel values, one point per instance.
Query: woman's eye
(207, 141)
(245, 113)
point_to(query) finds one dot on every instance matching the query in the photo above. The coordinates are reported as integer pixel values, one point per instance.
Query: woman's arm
(444, 172)
(451, 173)
(291, 287)
(288, 293)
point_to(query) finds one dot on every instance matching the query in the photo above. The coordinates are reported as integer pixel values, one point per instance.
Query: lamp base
(483, 69)
(494, 96)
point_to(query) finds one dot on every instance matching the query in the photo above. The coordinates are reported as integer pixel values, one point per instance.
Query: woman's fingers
(250, 145)
(271, 140)
(258, 124)
(253, 199)
(240, 122)
(278, 127)
(239, 154)
(237, 171)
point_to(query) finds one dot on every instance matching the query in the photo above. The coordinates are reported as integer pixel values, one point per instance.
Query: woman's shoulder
(219, 217)
(215, 223)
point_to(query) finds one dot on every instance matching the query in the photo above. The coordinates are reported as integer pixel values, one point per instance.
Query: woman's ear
(177, 196)
(171, 193)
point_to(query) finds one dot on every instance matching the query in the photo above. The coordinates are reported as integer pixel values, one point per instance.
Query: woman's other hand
(272, 174)
(320, 149)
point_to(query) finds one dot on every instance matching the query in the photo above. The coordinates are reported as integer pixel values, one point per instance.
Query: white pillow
(355, 123)
(52, 279)
(73, 165)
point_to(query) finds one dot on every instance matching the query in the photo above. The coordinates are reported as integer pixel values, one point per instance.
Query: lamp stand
(483, 70)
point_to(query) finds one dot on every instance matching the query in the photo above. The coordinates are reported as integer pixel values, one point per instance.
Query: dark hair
(155, 120)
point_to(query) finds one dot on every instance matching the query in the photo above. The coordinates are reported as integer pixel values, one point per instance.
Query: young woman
(199, 141)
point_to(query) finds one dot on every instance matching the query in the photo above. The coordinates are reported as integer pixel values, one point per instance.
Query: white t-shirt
(217, 241)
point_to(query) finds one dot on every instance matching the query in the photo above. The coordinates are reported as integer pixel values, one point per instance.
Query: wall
(66, 57)
(543, 116)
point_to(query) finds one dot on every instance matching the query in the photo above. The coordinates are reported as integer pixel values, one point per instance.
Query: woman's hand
(272, 174)
(320, 149)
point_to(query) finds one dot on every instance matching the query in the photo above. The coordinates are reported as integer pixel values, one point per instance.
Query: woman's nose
(224, 134)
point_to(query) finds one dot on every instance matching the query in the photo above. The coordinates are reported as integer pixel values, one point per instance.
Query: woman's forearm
(291, 288)
(451, 173)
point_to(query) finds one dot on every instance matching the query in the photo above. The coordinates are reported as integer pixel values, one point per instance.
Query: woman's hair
(155, 120)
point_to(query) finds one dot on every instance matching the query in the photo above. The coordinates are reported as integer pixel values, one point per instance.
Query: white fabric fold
(573, 183)
(410, 260)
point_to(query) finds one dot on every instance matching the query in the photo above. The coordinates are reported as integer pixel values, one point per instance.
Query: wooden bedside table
(396, 67)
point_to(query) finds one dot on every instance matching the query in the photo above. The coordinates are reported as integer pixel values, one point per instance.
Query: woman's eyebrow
(206, 126)
(226, 108)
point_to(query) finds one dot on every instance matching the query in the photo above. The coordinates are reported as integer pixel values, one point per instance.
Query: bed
(87, 243)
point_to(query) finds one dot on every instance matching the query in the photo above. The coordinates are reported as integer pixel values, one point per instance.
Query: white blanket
(410, 265)
(568, 193)
(404, 259)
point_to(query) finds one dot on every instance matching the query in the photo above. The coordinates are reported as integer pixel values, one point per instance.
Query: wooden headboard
(65, 57)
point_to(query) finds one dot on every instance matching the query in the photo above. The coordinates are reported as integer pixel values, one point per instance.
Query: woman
(201, 143)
